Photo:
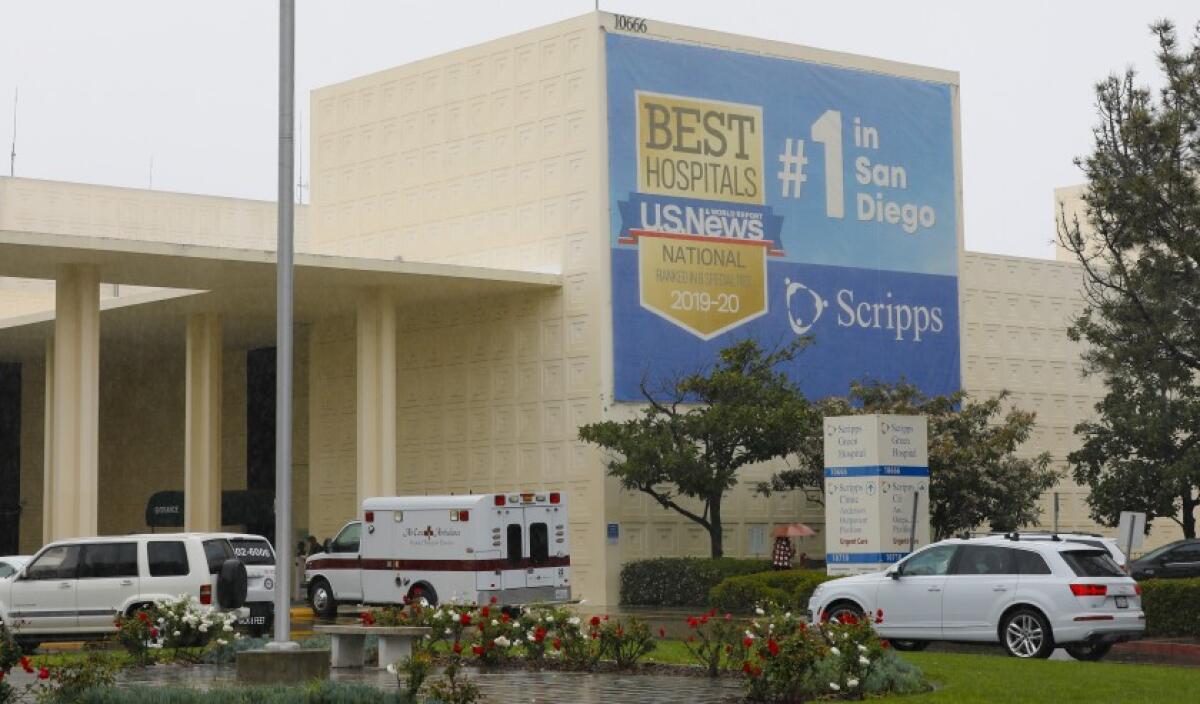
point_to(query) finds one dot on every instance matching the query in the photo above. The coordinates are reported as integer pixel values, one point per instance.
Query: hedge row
(741, 594)
(680, 581)
(1172, 607)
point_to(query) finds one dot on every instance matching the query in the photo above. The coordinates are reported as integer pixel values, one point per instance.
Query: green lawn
(996, 679)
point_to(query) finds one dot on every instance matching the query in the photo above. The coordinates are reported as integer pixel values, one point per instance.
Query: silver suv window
(58, 562)
(107, 560)
(934, 561)
(1092, 563)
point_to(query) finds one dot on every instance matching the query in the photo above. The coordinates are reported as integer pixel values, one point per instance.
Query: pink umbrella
(793, 530)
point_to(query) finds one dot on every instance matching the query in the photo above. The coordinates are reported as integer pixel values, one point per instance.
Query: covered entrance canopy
(205, 299)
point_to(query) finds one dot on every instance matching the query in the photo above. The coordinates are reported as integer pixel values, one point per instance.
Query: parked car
(256, 553)
(12, 564)
(75, 589)
(1178, 559)
(1093, 539)
(1030, 596)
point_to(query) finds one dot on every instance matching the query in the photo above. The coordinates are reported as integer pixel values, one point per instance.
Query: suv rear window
(252, 552)
(1092, 563)
(217, 552)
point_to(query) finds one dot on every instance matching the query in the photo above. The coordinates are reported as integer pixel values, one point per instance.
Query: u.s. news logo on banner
(772, 198)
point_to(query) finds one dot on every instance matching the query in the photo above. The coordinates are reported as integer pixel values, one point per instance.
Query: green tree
(698, 432)
(1139, 248)
(975, 475)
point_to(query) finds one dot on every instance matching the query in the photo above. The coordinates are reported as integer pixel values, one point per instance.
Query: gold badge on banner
(706, 285)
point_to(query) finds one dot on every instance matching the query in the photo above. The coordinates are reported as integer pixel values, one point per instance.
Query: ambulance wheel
(320, 597)
(423, 590)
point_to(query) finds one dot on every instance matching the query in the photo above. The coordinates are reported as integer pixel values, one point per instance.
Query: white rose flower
(204, 628)
(863, 661)
(851, 683)
(502, 642)
(448, 631)
(177, 634)
(862, 648)
(759, 611)
(222, 641)
(834, 686)
(227, 628)
(749, 635)
(391, 668)
(574, 620)
(424, 602)
(495, 622)
(437, 615)
(834, 651)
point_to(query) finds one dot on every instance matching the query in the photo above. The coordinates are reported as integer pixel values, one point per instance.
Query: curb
(1165, 652)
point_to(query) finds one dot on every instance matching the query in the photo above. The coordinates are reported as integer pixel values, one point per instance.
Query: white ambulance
(447, 548)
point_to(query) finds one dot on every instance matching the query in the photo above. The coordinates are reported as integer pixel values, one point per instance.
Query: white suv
(1029, 596)
(75, 589)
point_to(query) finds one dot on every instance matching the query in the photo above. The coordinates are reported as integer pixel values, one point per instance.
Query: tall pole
(283, 332)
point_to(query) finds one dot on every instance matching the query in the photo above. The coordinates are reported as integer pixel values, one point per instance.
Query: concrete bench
(348, 643)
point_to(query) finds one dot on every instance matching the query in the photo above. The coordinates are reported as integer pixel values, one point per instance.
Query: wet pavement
(511, 687)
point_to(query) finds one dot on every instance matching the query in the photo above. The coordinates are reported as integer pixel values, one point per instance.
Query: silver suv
(75, 589)
(1030, 596)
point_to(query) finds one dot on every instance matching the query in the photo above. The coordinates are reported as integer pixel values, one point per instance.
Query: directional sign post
(876, 490)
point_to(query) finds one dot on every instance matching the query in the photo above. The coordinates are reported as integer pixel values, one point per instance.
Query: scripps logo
(806, 310)
(905, 321)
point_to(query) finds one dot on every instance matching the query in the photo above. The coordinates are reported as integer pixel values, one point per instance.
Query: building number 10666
(626, 23)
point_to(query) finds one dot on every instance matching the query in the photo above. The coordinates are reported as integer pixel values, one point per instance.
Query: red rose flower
(773, 647)
(746, 667)
(457, 647)
(143, 617)
(885, 644)
(477, 649)
(493, 600)
(693, 622)
(756, 671)
(879, 616)
(747, 642)
(704, 619)
(1, 676)
(595, 621)
(466, 619)
(25, 664)
(557, 644)
(44, 673)
(504, 618)
(484, 612)
(154, 633)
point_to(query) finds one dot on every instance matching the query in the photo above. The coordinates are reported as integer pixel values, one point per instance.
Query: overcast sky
(106, 87)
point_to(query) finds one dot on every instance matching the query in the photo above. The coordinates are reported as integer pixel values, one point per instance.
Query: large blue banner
(773, 198)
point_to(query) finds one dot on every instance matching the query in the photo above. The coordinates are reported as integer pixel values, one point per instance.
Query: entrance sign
(757, 196)
(874, 465)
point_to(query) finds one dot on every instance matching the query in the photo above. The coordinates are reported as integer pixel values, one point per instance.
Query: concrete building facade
(454, 309)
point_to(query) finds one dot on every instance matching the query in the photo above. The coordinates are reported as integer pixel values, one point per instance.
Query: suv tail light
(1089, 589)
(206, 594)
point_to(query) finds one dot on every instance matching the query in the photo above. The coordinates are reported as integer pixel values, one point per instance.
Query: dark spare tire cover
(231, 585)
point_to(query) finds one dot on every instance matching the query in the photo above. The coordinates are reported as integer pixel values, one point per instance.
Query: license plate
(1122, 602)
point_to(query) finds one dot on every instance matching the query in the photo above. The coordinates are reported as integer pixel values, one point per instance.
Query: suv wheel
(320, 597)
(909, 646)
(839, 611)
(1025, 633)
(1088, 651)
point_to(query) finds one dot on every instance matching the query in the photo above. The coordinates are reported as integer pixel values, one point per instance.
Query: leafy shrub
(68, 681)
(626, 643)
(715, 642)
(1172, 607)
(790, 588)
(680, 581)
(183, 624)
(135, 634)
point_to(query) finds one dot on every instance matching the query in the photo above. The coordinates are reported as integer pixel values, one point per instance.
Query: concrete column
(376, 394)
(73, 407)
(202, 441)
(47, 441)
